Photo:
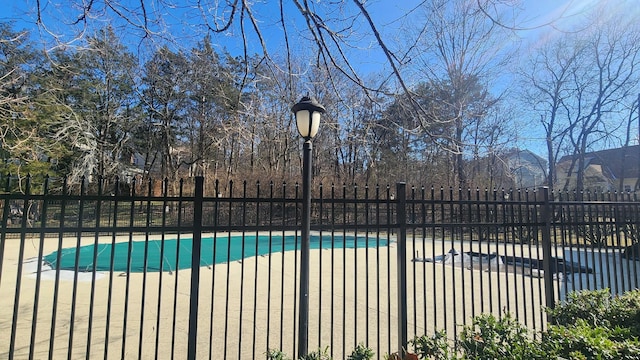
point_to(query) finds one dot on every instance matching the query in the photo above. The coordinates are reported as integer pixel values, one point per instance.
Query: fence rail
(199, 271)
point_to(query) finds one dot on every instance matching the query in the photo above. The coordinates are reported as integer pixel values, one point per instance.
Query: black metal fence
(210, 270)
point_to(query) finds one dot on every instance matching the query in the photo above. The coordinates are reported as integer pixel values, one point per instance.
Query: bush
(625, 311)
(273, 354)
(598, 308)
(590, 306)
(361, 352)
(504, 338)
(432, 347)
(595, 325)
(317, 355)
(583, 341)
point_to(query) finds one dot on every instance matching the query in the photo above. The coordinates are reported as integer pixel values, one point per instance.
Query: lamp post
(308, 112)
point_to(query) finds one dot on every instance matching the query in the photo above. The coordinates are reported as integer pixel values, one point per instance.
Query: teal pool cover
(176, 253)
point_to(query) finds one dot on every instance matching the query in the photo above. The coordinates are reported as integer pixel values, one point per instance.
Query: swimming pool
(172, 254)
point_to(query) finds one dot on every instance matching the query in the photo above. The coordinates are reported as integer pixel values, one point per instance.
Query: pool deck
(245, 306)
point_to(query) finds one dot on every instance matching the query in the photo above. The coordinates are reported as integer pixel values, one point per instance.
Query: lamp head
(308, 112)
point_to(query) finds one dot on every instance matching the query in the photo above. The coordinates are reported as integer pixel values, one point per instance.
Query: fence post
(546, 251)
(196, 247)
(401, 217)
(6, 209)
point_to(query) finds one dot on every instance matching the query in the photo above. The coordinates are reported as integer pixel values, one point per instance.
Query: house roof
(619, 163)
(526, 155)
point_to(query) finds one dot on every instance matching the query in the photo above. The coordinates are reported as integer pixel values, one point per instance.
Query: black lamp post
(308, 112)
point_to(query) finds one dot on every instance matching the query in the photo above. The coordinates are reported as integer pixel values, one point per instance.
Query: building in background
(605, 170)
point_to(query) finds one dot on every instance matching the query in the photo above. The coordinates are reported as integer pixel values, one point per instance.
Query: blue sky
(388, 16)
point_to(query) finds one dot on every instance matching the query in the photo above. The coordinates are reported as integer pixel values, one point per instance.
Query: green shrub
(432, 347)
(591, 306)
(319, 354)
(361, 352)
(625, 311)
(584, 341)
(599, 308)
(492, 338)
(273, 354)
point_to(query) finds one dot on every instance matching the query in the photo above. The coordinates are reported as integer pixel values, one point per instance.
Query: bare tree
(457, 48)
(583, 83)
(546, 89)
(632, 117)
(609, 83)
(14, 54)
